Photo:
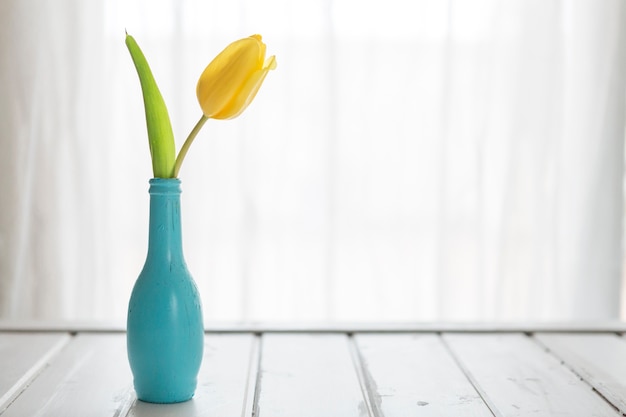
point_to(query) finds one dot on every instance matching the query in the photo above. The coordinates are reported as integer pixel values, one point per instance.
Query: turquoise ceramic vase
(165, 333)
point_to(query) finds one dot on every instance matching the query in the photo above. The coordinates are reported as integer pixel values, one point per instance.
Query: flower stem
(187, 144)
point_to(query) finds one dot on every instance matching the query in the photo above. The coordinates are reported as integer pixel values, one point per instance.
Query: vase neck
(165, 238)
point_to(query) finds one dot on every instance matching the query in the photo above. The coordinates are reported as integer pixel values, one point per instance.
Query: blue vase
(165, 333)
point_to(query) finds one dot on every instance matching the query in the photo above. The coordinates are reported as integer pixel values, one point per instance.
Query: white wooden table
(318, 371)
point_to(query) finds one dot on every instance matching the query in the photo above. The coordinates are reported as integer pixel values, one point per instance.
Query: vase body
(165, 332)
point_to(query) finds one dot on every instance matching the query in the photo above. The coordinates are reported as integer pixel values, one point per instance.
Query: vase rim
(165, 186)
(164, 180)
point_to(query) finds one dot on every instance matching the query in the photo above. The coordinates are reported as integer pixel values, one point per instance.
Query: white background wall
(408, 160)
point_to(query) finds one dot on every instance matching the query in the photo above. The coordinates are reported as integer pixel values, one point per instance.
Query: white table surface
(329, 370)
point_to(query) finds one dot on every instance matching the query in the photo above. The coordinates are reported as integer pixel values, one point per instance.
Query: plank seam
(253, 382)
(483, 395)
(130, 399)
(573, 369)
(365, 379)
(32, 373)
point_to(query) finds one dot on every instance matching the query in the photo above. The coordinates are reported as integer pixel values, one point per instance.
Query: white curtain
(408, 159)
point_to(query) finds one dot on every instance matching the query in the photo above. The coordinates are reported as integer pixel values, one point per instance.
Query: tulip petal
(270, 63)
(247, 92)
(230, 69)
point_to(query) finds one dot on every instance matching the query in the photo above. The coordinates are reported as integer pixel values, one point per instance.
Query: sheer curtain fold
(408, 160)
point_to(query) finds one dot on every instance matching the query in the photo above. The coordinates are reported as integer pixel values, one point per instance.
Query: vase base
(165, 399)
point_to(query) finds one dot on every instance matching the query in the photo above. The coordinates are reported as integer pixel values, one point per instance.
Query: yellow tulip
(226, 87)
(230, 82)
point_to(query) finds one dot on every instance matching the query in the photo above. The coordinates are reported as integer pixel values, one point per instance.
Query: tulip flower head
(230, 82)
(225, 89)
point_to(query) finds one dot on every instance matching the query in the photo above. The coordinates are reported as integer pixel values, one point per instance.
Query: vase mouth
(164, 186)
(164, 180)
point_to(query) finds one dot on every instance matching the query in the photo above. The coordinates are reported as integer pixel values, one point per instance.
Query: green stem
(187, 144)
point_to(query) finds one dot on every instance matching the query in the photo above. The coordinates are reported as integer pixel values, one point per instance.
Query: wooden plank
(516, 377)
(308, 376)
(414, 375)
(229, 362)
(40, 326)
(330, 327)
(22, 357)
(89, 377)
(598, 359)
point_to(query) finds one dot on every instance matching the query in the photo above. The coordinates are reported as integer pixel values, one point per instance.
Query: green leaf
(160, 135)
